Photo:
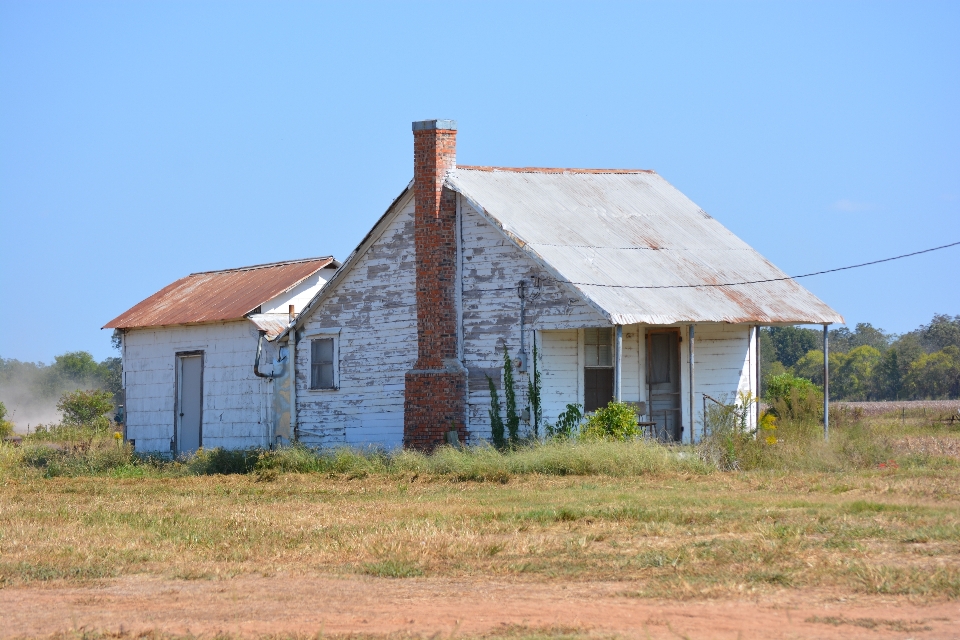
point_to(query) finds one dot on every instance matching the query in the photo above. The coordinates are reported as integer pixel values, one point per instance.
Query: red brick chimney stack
(436, 387)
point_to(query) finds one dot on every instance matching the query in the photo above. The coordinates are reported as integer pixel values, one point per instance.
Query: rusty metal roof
(614, 234)
(213, 296)
(272, 324)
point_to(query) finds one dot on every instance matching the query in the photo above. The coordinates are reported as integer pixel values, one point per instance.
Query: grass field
(872, 512)
(893, 531)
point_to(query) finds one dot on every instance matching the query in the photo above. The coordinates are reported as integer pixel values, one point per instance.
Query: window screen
(597, 347)
(321, 363)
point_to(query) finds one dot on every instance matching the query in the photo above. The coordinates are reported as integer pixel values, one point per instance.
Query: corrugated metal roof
(605, 231)
(272, 324)
(213, 296)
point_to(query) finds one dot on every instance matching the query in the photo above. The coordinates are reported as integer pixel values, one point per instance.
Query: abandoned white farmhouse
(612, 273)
(189, 352)
(628, 289)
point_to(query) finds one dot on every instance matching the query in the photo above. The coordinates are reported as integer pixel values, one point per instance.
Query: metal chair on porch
(648, 428)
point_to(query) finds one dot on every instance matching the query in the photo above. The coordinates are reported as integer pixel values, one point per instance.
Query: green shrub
(222, 462)
(86, 408)
(6, 427)
(616, 421)
(568, 423)
(794, 398)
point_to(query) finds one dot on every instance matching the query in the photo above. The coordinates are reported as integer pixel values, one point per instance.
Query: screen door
(189, 402)
(663, 383)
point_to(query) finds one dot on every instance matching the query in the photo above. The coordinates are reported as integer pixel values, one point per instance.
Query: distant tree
(792, 343)
(935, 375)
(853, 375)
(76, 365)
(909, 349)
(887, 380)
(865, 334)
(109, 372)
(810, 366)
(942, 331)
(769, 365)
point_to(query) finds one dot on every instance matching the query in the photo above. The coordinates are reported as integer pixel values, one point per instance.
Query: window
(598, 368)
(598, 347)
(321, 363)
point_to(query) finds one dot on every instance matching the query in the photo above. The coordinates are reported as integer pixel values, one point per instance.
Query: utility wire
(733, 284)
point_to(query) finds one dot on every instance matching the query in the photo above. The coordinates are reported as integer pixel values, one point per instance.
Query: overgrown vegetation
(30, 389)
(616, 421)
(874, 510)
(869, 364)
(496, 420)
(568, 423)
(6, 427)
(534, 387)
(510, 395)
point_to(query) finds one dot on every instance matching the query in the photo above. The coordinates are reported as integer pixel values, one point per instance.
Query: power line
(733, 284)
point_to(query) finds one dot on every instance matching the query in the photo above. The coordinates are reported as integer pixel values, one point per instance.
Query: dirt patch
(298, 605)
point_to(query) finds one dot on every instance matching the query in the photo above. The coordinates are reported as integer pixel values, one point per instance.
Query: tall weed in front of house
(791, 442)
(96, 456)
(790, 437)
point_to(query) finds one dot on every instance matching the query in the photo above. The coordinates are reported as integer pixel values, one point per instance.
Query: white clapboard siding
(559, 364)
(234, 399)
(724, 365)
(374, 307)
(722, 360)
(491, 268)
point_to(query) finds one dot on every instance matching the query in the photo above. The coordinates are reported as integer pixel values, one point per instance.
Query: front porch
(650, 365)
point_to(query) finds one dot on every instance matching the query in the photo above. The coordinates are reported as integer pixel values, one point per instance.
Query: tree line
(867, 363)
(30, 391)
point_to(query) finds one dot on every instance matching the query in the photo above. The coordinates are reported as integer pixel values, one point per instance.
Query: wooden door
(189, 402)
(663, 383)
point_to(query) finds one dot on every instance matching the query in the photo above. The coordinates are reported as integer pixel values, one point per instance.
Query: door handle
(181, 415)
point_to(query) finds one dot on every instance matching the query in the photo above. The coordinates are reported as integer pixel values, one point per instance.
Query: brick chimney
(435, 390)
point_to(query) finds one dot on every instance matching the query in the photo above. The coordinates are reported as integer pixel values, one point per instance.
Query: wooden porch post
(826, 383)
(693, 406)
(618, 364)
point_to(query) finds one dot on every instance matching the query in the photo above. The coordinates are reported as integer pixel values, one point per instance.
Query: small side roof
(214, 296)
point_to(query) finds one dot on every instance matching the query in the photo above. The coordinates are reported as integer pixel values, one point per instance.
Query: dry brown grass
(674, 534)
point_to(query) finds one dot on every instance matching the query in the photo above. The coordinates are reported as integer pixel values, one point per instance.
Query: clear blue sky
(142, 141)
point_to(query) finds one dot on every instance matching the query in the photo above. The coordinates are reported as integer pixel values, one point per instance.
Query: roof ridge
(265, 265)
(550, 169)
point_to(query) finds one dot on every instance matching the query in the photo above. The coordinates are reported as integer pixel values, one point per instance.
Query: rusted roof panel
(609, 233)
(272, 324)
(213, 296)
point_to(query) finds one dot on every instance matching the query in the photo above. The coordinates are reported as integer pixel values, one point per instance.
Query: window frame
(585, 367)
(608, 345)
(334, 336)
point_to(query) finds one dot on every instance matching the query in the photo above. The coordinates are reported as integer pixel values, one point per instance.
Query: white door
(189, 402)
